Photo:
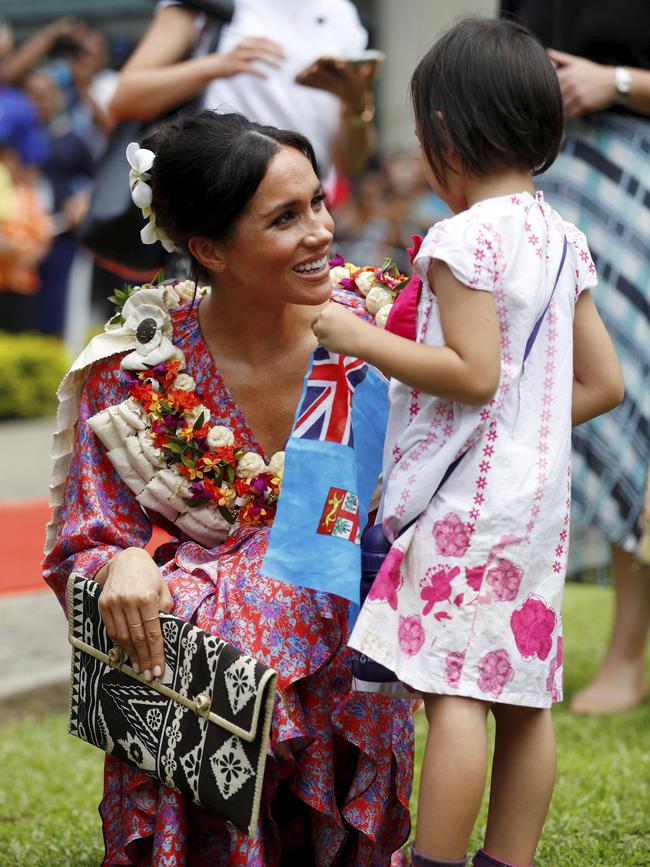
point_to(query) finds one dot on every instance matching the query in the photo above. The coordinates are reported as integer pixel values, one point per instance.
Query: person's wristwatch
(623, 84)
(359, 118)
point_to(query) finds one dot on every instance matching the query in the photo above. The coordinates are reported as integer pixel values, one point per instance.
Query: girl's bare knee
(515, 714)
(437, 704)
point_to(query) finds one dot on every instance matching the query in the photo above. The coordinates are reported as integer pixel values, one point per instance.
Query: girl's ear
(208, 253)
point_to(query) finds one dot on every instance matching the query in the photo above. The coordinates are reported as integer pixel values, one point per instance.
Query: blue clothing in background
(20, 129)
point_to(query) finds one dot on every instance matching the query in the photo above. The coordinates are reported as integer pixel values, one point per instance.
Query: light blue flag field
(332, 462)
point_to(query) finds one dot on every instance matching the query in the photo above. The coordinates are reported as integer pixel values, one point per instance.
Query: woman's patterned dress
(338, 778)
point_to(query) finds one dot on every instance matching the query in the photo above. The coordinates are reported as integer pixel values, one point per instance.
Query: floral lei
(379, 287)
(239, 483)
(160, 439)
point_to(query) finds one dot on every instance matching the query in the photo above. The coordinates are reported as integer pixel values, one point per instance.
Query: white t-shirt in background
(307, 30)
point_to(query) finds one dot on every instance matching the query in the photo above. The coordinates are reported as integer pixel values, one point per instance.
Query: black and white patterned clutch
(202, 729)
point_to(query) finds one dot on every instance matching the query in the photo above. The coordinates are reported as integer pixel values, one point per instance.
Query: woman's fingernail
(157, 671)
(147, 674)
(136, 667)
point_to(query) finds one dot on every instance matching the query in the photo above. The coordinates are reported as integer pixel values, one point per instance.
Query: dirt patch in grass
(34, 703)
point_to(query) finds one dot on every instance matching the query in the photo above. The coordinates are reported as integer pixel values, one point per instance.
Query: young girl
(509, 352)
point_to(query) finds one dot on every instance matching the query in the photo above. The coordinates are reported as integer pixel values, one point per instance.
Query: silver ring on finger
(134, 625)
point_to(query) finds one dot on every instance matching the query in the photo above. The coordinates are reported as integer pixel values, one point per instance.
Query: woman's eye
(283, 218)
(318, 200)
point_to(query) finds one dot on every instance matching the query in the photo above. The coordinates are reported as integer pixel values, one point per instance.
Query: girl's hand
(339, 330)
(586, 86)
(134, 592)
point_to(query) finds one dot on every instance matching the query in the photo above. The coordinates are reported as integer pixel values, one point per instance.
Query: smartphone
(371, 55)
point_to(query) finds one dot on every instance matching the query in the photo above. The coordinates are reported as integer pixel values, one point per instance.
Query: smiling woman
(244, 201)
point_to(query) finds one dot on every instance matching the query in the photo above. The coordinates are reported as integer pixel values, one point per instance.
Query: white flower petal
(366, 281)
(382, 315)
(377, 298)
(150, 345)
(131, 150)
(220, 436)
(141, 194)
(143, 160)
(167, 244)
(149, 234)
(134, 314)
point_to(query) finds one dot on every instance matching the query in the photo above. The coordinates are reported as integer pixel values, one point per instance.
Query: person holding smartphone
(297, 64)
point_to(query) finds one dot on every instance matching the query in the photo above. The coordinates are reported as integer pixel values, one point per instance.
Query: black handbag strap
(219, 13)
(219, 10)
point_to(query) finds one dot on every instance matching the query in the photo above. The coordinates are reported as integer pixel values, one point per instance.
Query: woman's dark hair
(488, 91)
(207, 169)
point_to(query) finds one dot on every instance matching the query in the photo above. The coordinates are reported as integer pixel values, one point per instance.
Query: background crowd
(56, 87)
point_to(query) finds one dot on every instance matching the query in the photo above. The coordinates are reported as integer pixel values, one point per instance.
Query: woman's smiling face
(280, 247)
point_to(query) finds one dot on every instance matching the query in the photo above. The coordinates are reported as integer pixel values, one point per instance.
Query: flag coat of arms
(332, 462)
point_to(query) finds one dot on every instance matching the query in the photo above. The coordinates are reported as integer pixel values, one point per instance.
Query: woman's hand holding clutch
(133, 594)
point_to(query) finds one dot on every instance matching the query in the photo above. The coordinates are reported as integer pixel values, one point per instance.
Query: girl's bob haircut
(488, 91)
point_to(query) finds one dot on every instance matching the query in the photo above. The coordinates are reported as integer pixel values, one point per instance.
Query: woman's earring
(221, 269)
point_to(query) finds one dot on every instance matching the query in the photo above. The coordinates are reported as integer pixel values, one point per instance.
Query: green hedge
(31, 368)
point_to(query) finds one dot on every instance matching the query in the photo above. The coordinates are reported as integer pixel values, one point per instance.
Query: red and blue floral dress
(339, 773)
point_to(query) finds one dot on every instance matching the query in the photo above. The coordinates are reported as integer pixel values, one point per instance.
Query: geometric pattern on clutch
(231, 768)
(240, 683)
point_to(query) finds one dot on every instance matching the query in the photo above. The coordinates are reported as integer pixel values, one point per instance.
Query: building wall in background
(405, 30)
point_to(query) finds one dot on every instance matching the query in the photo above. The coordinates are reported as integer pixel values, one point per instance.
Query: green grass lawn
(50, 783)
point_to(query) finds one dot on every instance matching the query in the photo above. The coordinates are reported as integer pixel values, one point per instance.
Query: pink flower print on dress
(410, 634)
(474, 576)
(452, 536)
(504, 578)
(388, 581)
(455, 661)
(436, 585)
(532, 626)
(494, 672)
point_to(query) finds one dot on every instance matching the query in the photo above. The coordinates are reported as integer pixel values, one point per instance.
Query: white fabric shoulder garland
(197, 492)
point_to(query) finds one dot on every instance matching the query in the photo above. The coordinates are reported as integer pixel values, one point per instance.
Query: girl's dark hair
(207, 169)
(487, 90)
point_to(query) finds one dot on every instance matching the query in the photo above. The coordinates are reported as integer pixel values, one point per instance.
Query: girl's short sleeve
(585, 270)
(469, 246)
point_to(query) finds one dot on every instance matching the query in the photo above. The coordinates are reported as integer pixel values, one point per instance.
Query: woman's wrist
(360, 111)
(131, 554)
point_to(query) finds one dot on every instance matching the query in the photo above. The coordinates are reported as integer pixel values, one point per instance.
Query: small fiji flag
(332, 462)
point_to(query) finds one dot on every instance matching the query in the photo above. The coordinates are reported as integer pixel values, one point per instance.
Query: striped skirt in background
(601, 182)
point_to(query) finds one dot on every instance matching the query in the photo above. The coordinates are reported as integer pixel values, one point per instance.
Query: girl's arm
(466, 369)
(156, 79)
(597, 378)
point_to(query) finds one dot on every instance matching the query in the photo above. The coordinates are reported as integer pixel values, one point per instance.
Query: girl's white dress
(468, 599)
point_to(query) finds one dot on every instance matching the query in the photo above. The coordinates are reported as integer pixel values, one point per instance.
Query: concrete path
(34, 651)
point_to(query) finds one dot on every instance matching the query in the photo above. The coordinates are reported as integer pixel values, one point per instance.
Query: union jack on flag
(332, 460)
(326, 410)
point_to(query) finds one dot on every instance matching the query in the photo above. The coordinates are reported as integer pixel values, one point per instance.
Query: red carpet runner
(22, 533)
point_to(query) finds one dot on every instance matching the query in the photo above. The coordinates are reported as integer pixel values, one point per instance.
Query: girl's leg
(620, 683)
(523, 775)
(452, 781)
